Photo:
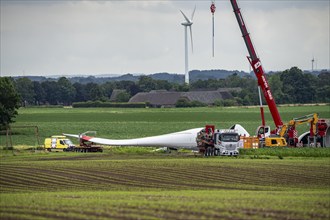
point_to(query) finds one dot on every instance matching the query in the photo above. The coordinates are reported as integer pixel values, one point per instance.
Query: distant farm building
(163, 98)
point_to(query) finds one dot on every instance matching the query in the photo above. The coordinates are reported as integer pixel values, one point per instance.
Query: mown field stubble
(153, 185)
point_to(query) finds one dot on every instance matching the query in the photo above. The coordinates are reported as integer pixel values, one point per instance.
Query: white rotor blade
(191, 38)
(182, 139)
(187, 19)
(192, 15)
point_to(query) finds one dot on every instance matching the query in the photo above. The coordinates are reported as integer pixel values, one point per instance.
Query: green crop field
(131, 123)
(159, 186)
(138, 183)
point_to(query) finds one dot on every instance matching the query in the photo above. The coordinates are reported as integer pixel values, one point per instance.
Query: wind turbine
(187, 24)
(212, 8)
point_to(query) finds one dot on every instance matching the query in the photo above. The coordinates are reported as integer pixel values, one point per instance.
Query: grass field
(141, 184)
(131, 123)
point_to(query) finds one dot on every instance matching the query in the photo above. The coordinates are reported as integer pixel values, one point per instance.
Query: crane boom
(257, 67)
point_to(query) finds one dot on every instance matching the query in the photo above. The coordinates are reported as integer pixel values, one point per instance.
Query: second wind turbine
(187, 24)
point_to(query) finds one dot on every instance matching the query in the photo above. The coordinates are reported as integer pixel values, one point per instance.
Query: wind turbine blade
(191, 39)
(192, 15)
(187, 19)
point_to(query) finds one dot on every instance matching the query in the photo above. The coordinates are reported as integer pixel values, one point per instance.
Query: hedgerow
(92, 104)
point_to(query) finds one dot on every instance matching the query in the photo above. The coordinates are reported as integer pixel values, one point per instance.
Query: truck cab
(58, 143)
(227, 142)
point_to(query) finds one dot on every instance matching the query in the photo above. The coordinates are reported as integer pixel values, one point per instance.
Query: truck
(62, 143)
(58, 142)
(227, 143)
(218, 142)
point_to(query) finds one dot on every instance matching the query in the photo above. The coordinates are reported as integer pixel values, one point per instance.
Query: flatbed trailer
(85, 149)
(87, 146)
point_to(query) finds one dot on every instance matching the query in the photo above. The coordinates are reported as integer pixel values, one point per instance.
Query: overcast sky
(118, 37)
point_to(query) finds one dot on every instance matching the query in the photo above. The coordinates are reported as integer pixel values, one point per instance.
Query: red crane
(257, 67)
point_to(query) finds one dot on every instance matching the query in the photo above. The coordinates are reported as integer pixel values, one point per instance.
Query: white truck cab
(227, 142)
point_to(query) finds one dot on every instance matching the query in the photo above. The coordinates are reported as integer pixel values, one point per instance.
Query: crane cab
(263, 132)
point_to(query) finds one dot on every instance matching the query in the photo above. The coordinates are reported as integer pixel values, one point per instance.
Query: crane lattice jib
(257, 67)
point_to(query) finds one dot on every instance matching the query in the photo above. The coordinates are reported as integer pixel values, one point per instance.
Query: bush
(197, 104)
(123, 97)
(184, 103)
(227, 102)
(218, 103)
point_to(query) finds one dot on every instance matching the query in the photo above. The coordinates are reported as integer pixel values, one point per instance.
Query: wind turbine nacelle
(187, 24)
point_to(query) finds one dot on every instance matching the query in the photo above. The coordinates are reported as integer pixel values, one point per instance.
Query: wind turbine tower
(187, 24)
(313, 60)
(212, 8)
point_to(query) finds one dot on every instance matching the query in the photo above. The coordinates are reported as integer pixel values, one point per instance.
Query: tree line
(289, 86)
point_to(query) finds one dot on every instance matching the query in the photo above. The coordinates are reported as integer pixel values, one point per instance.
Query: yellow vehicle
(255, 142)
(287, 130)
(275, 142)
(58, 143)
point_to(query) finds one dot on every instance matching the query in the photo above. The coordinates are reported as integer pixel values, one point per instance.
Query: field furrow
(159, 174)
(41, 180)
(70, 189)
